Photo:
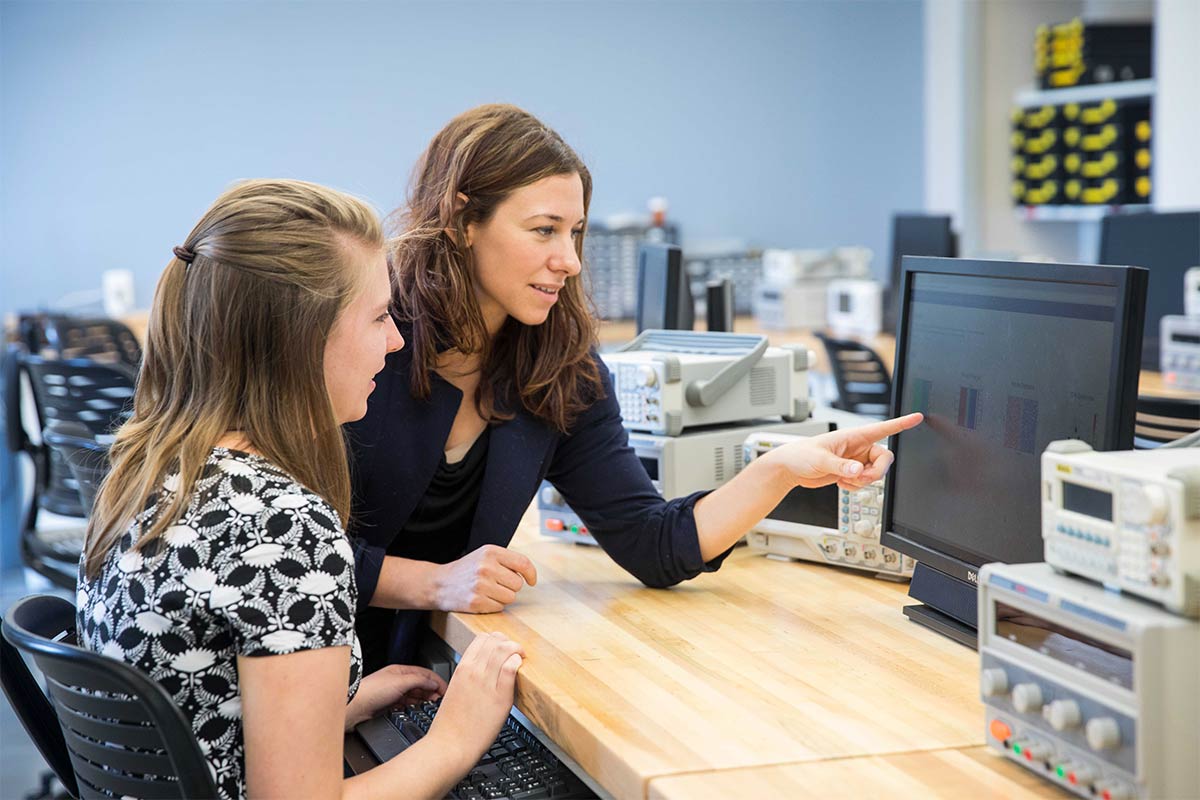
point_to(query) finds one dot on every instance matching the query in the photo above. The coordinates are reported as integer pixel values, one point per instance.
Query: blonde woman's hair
(236, 343)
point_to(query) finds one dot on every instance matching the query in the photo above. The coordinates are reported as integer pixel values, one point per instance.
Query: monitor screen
(1001, 367)
(1165, 244)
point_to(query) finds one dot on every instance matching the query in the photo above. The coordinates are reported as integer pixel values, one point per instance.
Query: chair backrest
(86, 457)
(96, 338)
(1159, 420)
(34, 710)
(16, 437)
(863, 383)
(122, 731)
(78, 390)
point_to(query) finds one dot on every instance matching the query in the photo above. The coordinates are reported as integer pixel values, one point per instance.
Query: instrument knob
(551, 497)
(1062, 714)
(1144, 505)
(1027, 697)
(993, 681)
(864, 527)
(646, 375)
(864, 495)
(1103, 733)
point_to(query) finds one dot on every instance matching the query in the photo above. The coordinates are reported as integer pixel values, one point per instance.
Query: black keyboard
(516, 766)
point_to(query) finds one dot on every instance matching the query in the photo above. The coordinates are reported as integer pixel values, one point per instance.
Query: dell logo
(973, 576)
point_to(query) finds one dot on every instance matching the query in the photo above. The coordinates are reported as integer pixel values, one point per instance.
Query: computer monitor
(664, 297)
(915, 235)
(1165, 244)
(1002, 358)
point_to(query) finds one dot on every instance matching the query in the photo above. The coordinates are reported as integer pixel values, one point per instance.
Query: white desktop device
(854, 307)
(1191, 292)
(782, 267)
(1130, 520)
(1094, 691)
(827, 525)
(677, 466)
(788, 306)
(667, 381)
(795, 284)
(1179, 359)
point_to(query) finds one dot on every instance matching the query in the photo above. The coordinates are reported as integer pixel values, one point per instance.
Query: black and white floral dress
(257, 565)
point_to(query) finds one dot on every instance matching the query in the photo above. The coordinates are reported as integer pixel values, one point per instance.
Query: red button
(554, 524)
(1000, 731)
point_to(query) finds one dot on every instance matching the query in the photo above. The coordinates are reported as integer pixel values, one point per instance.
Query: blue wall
(785, 124)
(794, 124)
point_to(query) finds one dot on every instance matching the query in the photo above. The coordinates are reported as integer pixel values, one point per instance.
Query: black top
(437, 531)
(397, 447)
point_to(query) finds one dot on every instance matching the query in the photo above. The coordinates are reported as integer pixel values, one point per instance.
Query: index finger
(889, 427)
(519, 564)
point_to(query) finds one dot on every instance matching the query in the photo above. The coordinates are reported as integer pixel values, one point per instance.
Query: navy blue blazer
(397, 446)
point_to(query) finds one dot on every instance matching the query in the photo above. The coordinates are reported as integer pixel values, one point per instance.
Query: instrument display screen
(817, 507)
(1075, 649)
(1087, 501)
(651, 465)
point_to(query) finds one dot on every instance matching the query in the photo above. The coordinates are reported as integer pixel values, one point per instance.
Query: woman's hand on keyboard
(394, 685)
(480, 695)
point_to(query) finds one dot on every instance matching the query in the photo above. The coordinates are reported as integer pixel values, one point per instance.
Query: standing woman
(216, 559)
(501, 387)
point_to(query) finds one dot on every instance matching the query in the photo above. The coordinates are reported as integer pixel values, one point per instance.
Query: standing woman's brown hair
(235, 343)
(484, 155)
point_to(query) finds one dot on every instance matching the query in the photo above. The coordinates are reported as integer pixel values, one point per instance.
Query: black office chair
(86, 457)
(1160, 420)
(121, 732)
(863, 383)
(91, 397)
(97, 338)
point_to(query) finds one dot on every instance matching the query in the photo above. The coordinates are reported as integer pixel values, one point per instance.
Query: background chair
(98, 338)
(1164, 419)
(121, 731)
(79, 398)
(85, 456)
(863, 383)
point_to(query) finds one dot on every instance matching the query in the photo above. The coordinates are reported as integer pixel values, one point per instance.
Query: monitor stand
(948, 603)
(942, 623)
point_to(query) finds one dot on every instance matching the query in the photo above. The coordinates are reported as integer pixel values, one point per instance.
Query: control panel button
(1111, 790)
(1027, 698)
(1062, 714)
(1103, 733)
(553, 524)
(1000, 730)
(993, 681)
(1080, 776)
(1037, 752)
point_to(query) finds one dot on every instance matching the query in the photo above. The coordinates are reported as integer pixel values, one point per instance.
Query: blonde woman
(216, 559)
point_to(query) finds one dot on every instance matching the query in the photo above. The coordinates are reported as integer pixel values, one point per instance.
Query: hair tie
(183, 254)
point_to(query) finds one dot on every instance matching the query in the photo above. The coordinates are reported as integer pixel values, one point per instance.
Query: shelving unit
(1073, 213)
(1118, 90)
